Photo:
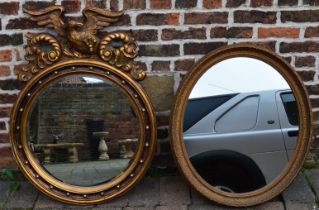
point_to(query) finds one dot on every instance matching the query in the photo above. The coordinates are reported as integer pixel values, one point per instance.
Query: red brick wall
(83, 104)
(173, 34)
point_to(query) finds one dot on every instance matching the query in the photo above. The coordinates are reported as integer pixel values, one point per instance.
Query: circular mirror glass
(241, 125)
(83, 130)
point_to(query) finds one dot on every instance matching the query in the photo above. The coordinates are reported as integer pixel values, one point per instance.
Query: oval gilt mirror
(241, 125)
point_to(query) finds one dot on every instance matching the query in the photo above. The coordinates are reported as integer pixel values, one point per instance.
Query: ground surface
(87, 173)
(166, 193)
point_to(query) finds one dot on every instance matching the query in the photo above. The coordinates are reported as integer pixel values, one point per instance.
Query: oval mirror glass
(241, 125)
(83, 130)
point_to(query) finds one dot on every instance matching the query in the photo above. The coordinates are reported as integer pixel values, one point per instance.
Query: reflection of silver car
(240, 142)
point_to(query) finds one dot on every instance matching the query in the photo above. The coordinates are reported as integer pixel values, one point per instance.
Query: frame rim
(109, 189)
(176, 128)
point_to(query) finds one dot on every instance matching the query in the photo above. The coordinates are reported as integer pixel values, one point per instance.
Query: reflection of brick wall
(67, 110)
(172, 35)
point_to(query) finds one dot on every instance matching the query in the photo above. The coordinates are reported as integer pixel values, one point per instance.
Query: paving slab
(51, 209)
(108, 208)
(44, 202)
(76, 207)
(265, 206)
(165, 193)
(114, 204)
(199, 199)
(24, 198)
(301, 206)
(139, 208)
(313, 177)
(299, 192)
(64, 208)
(270, 206)
(146, 193)
(174, 191)
(4, 192)
(207, 207)
(171, 208)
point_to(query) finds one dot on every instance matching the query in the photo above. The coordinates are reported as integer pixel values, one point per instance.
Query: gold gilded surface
(63, 191)
(305, 126)
(77, 50)
(38, 59)
(78, 39)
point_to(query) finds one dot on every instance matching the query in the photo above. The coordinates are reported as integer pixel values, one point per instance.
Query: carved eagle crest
(78, 39)
(80, 36)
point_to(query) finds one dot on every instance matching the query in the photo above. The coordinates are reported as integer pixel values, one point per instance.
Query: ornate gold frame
(74, 194)
(177, 117)
(103, 60)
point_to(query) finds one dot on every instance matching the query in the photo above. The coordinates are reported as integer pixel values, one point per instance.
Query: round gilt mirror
(241, 125)
(83, 132)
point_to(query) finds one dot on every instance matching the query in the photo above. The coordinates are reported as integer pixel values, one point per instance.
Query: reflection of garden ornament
(32, 142)
(122, 151)
(103, 148)
(127, 151)
(57, 138)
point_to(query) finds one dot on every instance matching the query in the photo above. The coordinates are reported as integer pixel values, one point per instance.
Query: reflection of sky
(237, 75)
(92, 80)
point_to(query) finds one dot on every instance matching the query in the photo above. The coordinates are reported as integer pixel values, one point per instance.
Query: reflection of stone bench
(71, 147)
(126, 147)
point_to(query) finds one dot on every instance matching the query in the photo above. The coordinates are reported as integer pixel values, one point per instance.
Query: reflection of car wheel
(229, 173)
(224, 188)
